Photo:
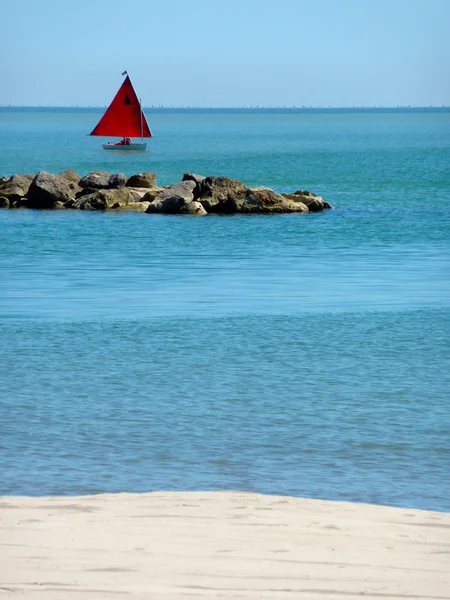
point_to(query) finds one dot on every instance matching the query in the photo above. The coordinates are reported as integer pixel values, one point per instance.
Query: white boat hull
(139, 147)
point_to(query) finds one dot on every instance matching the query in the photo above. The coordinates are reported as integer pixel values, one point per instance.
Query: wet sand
(177, 545)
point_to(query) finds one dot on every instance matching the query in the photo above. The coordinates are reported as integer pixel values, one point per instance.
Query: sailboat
(124, 118)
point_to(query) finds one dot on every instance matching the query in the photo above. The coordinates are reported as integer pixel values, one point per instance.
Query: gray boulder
(137, 193)
(184, 190)
(101, 180)
(16, 187)
(85, 192)
(4, 202)
(117, 180)
(71, 176)
(173, 205)
(150, 195)
(222, 195)
(137, 206)
(105, 199)
(197, 179)
(96, 180)
(153, 207)
(142, 180)
(193, 177)
(90, 201)
(265, 200)
(73, 180)
(313, 202)
(47, 189)
(171, 199)
(193, 208)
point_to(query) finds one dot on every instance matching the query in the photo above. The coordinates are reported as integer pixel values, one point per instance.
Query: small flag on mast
(125, 73)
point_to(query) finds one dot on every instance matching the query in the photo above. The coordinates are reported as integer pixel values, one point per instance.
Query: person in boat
(126, 141)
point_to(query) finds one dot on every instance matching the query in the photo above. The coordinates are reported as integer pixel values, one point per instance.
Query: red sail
(124, 117)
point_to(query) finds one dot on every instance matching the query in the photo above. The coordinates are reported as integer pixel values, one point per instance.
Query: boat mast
(142, 133)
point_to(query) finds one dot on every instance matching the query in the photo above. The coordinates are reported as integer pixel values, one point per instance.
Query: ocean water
(292, 354)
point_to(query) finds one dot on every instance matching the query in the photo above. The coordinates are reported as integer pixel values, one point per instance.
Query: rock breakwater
(195, 194)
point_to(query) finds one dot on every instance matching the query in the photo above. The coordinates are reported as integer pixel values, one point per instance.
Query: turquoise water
(293, 354)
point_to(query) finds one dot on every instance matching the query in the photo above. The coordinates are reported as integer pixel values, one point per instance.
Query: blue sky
(233, 53)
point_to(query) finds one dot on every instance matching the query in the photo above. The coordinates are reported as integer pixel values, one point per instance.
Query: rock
(137, 193)
(150, 195)
(313, 202)
(117, 180)
(222, 195)
(20, 203)
(4, 202)
(192, 177)
(193, 208)
(292, 206)
(73, 180)
(154, 207)
(16, 178)
(46, 190)
(91, 201)
(137, 206)
(197, 179)
(142, 180)
(184, 190)
(16, 187)
(101, 180)
(71, 176)
(95, 180)
(173, 205)
(85, 192)
(265, 200)
(171, 199)
(104, 200)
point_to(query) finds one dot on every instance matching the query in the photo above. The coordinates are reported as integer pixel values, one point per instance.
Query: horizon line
(247, 106)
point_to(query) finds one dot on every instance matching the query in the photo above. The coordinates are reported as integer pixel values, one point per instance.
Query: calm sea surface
(294, 354)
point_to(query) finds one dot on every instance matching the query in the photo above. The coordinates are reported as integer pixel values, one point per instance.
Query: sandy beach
(219, 545)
